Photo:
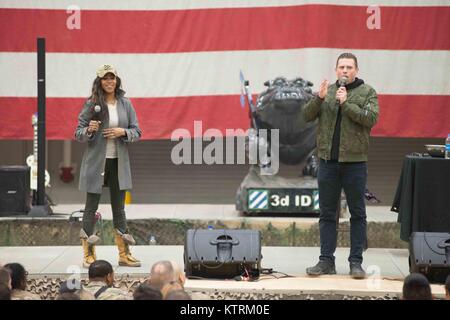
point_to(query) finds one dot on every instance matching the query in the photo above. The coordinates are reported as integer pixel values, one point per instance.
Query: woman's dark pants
(117, 201)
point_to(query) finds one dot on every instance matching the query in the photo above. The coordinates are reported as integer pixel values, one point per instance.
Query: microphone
(96, 116)
(342, 82)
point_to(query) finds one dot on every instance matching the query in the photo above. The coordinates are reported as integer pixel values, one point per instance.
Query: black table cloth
(422, 199)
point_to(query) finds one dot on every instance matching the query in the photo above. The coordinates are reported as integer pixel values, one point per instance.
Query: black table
(422, 199)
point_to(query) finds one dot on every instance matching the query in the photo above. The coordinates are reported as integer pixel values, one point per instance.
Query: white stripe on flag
(217, 73)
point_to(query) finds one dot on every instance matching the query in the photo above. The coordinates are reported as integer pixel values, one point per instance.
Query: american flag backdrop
(180, 60)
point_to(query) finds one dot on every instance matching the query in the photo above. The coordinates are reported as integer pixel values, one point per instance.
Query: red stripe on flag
(317, 26)
(420, 116)
(157, 117)
(400, 116)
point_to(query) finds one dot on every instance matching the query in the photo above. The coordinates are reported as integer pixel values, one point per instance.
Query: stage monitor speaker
(222, 253)
(14, 190)
(429, 254)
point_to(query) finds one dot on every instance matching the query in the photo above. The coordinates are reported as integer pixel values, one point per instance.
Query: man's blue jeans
(333, 177)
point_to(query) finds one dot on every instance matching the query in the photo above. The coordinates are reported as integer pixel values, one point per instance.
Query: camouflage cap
(104, 69)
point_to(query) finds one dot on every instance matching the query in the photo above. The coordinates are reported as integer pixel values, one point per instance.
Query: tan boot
(123, 241)
(88, 244)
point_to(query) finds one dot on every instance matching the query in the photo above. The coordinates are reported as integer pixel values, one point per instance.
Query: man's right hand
(323, 90)
(93, 126)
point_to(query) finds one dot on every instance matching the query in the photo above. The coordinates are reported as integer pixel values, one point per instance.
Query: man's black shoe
(356, 271)
(323, 267)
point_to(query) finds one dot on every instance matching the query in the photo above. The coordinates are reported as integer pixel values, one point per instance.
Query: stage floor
(203, 212)
(386, 269)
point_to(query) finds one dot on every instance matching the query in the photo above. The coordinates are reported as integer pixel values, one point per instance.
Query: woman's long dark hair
(98, 96)
(18, 275)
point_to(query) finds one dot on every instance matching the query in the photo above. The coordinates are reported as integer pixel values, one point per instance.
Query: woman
(108, 123)
(19, 283)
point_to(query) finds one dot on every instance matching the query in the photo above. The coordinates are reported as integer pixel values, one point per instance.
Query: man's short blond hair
(162, 272)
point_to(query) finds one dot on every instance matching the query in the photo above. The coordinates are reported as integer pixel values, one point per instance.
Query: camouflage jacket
(109, 294)
(17, 294)
(359, 115)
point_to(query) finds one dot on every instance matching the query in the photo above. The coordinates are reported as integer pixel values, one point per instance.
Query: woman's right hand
(93, 126)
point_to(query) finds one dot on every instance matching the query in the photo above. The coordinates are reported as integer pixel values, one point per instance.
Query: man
(178, 295)
(416, 287)
(101, 280)
(67, 296)
(162, 272)
(73, 286)
(179, 275)
(147, 292)
(346, 112)
(5, 292)
(5, 277)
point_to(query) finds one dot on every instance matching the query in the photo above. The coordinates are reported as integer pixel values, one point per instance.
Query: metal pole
(41, 120)
(42, 208)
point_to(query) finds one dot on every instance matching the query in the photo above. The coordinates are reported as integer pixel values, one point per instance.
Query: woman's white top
(111, 147)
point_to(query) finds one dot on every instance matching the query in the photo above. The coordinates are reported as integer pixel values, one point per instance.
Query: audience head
(178, 295)
(179, 275)
(18, 276)
(5, 292)
(161, 273)
(416, 287)
(169, 287)
(69, 286)
(74, 286)
(68, 296)
(5, 277)
(101, 270)
(147, 292)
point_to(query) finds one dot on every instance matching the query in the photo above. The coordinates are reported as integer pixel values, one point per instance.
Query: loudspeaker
(14, 190)
(222, 253)
(429, 254)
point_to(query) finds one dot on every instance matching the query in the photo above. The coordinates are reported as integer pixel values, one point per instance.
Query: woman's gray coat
(93, 163)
